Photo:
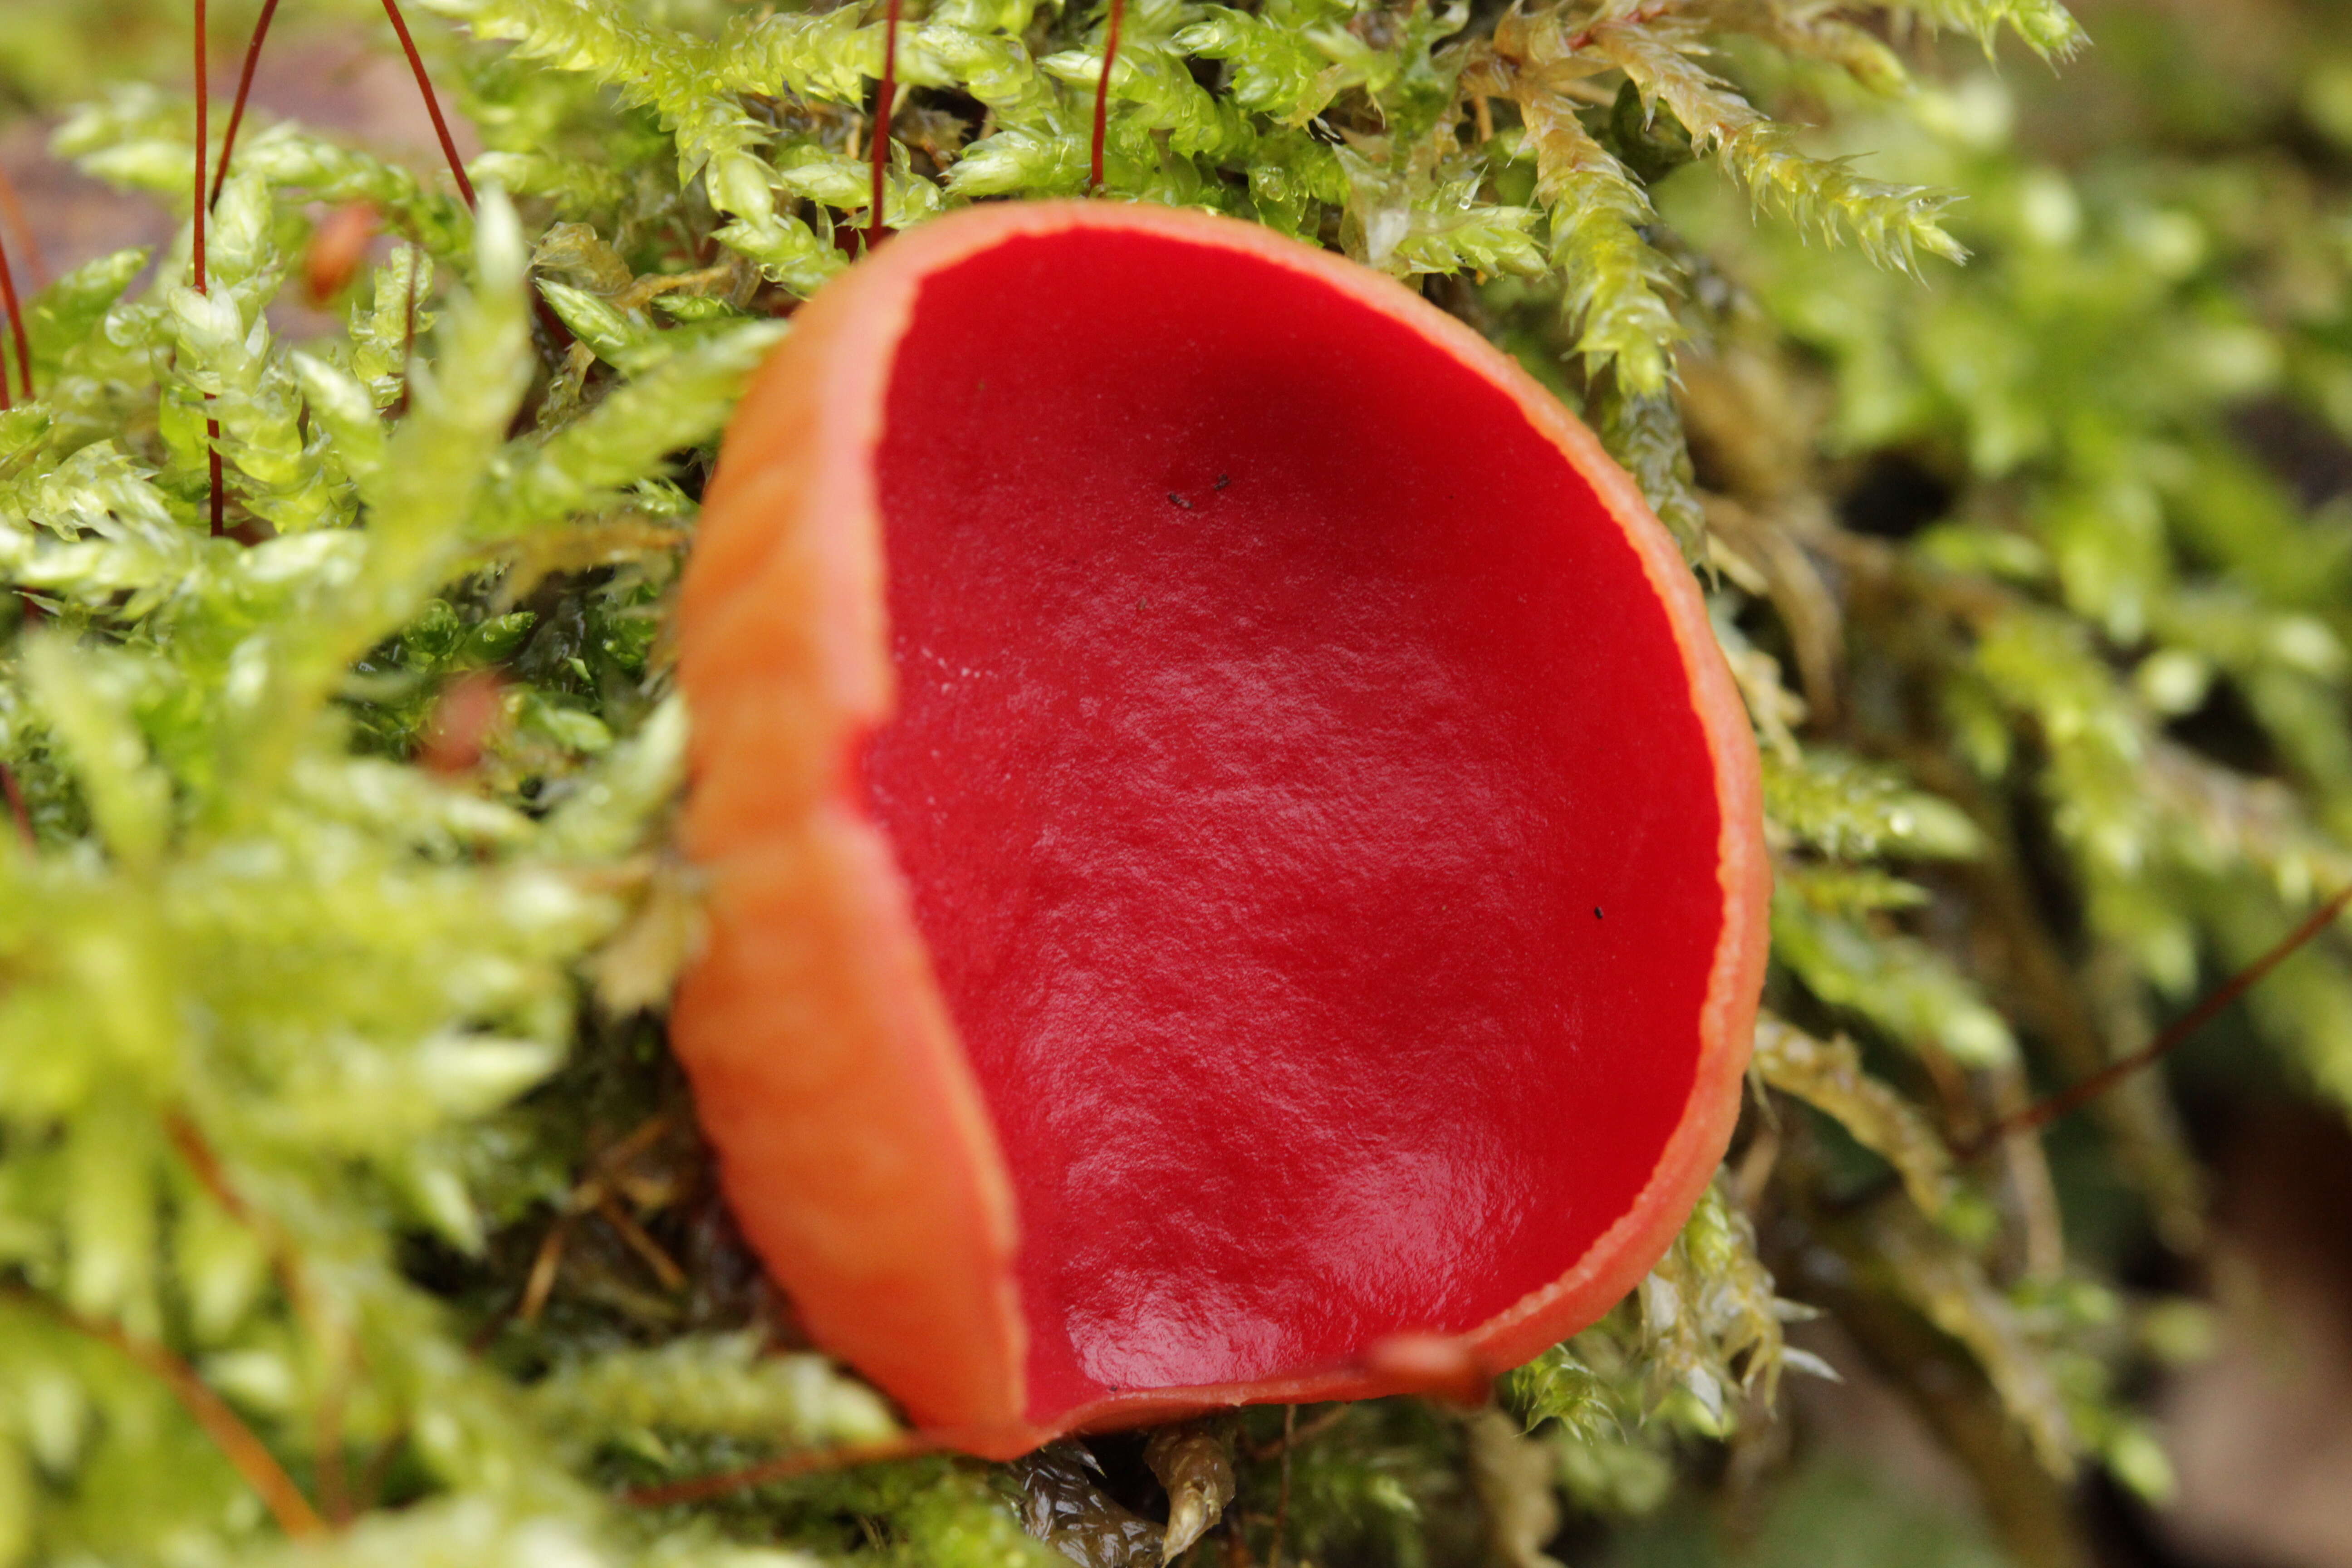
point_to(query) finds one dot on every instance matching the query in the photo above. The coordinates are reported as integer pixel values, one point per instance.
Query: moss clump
(346, 1195)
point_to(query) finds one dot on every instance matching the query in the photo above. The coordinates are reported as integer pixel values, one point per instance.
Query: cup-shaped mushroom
(1235, 863)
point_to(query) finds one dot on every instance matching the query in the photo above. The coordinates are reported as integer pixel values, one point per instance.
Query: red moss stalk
(204, 135)
(244, 90)
(1102, 97)
(220, 496)
(11, 213)
(2073, 1098)
(203, 278)
(885, 101)
(16, 330)
(432, 102)
(556, 331)
(16, 812)
(245, 1453)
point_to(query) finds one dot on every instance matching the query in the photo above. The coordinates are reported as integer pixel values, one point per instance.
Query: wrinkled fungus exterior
(1209, 901)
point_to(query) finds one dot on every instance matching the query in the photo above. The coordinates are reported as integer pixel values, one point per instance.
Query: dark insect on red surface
(1153, 957)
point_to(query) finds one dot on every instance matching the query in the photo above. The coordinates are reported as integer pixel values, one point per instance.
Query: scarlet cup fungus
(1208, 903)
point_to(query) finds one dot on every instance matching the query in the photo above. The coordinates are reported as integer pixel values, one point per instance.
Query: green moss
(339, 1081)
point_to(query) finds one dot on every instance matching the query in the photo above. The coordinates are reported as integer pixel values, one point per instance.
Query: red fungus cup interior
(1315, 798)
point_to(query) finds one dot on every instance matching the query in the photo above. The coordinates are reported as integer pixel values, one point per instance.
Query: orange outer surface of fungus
(855, 1138)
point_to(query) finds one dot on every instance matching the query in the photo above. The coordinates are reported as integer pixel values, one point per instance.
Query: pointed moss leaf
(1828, 1075)
(1017, 159)
(1615, 285)
(1557, 1385)
(1891, 224)
(314, 169)
(2137, 1459)
(1948, 1287)
(994, 67)
(1274, 70)
(673, 74)
(1425, 217)
(611, 331)
(219, 1262)
(573, 186)
(465, 1075)
(429, 1177)
(227, 356)
(462, 400)
(365, 1097)
(682, 402)
(1851, 890)
(606, 811)
(257, 1379)
(1711, 1319)
(88, 709)
(342, 405)
(1644, 431)
(1898, 984)
(1847, 808)
(2045, 25)
(1831, 39)
(209, 325)
(111, 1163)
(406, 805)
(53, 1407)
(809, 171)
(720, 1385)
(64, 315)
(385, 331)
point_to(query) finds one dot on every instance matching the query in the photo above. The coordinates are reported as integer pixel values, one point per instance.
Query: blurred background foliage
(1993, 366)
